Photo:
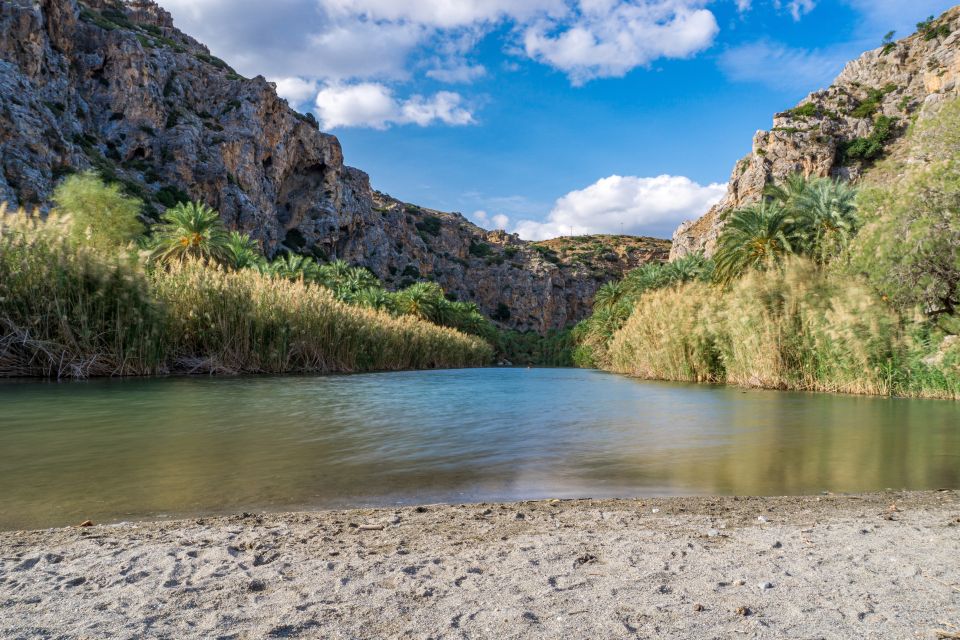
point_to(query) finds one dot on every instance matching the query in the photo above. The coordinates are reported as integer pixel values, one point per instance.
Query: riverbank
(873, 566)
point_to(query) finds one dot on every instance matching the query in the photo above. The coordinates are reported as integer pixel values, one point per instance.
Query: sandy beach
(881, 565)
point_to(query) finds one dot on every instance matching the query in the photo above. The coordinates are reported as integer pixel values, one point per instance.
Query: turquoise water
(119, 450)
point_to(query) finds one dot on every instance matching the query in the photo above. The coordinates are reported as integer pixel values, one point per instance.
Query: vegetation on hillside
(816, 287)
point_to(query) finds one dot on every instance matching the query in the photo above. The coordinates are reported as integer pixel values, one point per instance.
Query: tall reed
(243, 321)
(67, 311)
(795, 328)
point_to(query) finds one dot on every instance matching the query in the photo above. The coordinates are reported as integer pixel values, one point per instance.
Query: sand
(867, 566)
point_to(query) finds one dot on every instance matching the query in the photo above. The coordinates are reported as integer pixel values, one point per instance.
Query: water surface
(116, 450)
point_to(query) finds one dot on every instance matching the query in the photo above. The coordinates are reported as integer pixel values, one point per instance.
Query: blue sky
(548, 116)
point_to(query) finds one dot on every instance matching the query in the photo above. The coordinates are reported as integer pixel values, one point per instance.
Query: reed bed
(796, 328)
(69, 312)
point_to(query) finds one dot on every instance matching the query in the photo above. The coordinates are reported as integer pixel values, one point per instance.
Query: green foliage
(888, 43)
(931, 28)
(548, 254)
(755, 237)
(875, 97)
(171, 196)
(799, 327)
(502, 313)
(192, 230)
(243, 252)
(430, 225)
(910, 246)
(614, 302)
(529, 348)
(871, 147)
(70, 311)
(101, 215)
(862, 298)
(479, 249)
(807, 110)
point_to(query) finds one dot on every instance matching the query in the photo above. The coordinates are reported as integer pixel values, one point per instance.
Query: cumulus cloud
(487, 221)
(782, 67)
(374, 105)
(296, 91)
(642, 206)
(608, 38)
(346, 40)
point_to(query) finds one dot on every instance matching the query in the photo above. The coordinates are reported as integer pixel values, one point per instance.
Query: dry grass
(798, 328)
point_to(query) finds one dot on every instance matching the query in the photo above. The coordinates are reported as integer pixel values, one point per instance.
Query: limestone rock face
(114, 86)
(895, 81)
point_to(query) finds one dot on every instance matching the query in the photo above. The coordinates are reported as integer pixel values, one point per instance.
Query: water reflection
(111, 450)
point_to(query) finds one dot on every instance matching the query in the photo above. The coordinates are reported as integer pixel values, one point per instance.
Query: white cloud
(608, 38)
(445, 13)
(458, 72)
(296, 90)
(643, 206)
(344, 40)
(798, 8)
(487, 221)
(374, 105)
(782, 67)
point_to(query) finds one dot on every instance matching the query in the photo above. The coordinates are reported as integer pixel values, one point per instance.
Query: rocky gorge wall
(890, 85)
(115, 87)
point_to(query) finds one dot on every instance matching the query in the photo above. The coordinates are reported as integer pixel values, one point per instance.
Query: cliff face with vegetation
(841, 130)
(117, 88)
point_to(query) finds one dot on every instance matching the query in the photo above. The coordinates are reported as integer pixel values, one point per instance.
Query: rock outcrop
(115, 87)
(838, 131)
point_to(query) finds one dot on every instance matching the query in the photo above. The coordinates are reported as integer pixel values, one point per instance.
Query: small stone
(763, 586)
(86, 523)
(777, 545)
(744, 611)
(421, 509)
(697, 607)
(586, 558)
(761, 519)
(712, 533)
(739, 583)
(256, 586)
(655, 510)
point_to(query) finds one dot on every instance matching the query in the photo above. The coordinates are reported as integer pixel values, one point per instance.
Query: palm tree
(609, 294)
(243, 251)
(191, 230)
(294, 267)
(826, 218)
(333, 273)
(789, 192)
(373, 298)
(753, 237)
(421, 299)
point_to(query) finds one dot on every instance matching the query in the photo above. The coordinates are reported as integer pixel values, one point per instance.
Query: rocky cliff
(114, 86)
(840, 130)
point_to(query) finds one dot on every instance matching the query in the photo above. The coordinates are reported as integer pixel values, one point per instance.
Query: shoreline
(881, 565)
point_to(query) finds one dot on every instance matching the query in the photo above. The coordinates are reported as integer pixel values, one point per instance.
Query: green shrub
(430, 225)
(479, 249)
(101, 216)
(871, 147)
(807, 110)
